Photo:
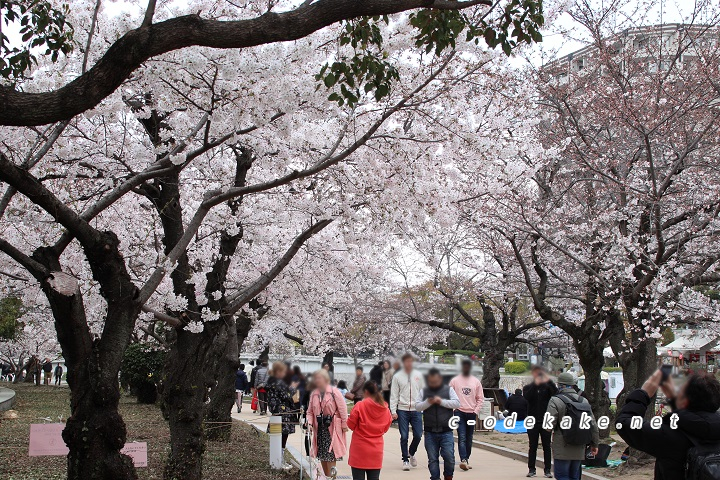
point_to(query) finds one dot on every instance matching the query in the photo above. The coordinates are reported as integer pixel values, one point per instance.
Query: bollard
(276, 454)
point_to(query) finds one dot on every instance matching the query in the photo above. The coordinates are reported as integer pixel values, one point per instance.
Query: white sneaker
(413, 461)
(406, 466)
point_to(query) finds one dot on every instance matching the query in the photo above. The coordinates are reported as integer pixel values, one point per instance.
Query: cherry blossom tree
(619, 216)
(188, 190)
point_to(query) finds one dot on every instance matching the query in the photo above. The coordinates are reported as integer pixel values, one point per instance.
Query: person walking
(47, 370)
(405, 388)
(516, 404)
(280, 400)
(470, 392)
(369, 421)
(438, 402)
(695, 408)
(569, 444)
(261, 378)
(327, 418)
(58, 375)
(387, 376)
(356, 392)
(538, 395)
(241, 384)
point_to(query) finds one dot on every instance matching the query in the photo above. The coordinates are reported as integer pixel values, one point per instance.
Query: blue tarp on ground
(519, 427)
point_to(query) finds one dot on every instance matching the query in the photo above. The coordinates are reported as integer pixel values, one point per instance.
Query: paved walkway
(487, 465)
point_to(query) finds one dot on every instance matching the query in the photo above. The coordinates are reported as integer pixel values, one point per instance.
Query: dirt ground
(245, 456)
(626, 471)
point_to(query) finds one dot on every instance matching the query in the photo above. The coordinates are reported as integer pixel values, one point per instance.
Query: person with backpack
(569, 444)
(538, 395)
(686, 442)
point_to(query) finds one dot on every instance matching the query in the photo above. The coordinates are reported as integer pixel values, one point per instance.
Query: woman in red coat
(369, 420)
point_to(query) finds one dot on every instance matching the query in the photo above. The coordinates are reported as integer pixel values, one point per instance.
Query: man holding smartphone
(538, 395)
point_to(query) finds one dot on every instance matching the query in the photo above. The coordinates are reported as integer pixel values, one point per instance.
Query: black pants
(362, 474)
(535, 435)
(386, 396)
(284, 439)
(262, 402)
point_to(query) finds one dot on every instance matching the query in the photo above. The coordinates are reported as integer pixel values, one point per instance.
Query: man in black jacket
(695, 405)
(538, 395)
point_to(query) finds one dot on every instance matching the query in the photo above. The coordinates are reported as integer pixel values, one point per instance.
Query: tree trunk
(184, 391)
(95, 432)
(637, 366)
(590, 354)
(492, 361)
(222, 396)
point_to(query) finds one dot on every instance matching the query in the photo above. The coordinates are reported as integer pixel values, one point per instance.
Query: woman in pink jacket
(327, 416)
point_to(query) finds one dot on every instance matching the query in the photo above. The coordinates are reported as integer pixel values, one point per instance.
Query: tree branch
(148, 41)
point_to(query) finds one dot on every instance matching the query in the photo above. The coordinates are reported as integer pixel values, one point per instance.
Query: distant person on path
(241, 384)
(280, 401)
(696, 406)
(568, 451)
(342, 386)
(327, 417)
(387, 376)
(356, 392)
(58, 375)
(438, 401)
(376, 374)
(538, 395)
(261, 378)
(516, 404)
(328, 368)
(253, 390)
(470, 392)
(47, 369)
(305, 403)
(299, 378)
(404, 391)
(369, 421)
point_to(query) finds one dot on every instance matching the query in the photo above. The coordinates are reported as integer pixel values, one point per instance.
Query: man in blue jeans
(470, 393)
(437, 402)
(405, 388)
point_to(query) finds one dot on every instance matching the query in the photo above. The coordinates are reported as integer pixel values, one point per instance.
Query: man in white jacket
(404, 390)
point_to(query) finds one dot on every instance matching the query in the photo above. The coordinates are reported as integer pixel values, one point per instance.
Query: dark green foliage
(368, 70)
(11, 309)
(40, 25)
(141, 370)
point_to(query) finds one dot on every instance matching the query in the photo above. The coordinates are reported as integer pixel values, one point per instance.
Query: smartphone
(666, 371)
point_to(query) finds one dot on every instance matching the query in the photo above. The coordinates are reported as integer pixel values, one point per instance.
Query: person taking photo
(693, 420)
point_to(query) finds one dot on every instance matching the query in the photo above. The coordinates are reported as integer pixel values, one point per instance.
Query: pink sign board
(137, 451)
(46, 439)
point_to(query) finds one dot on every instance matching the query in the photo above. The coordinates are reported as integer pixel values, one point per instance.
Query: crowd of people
(427, 408)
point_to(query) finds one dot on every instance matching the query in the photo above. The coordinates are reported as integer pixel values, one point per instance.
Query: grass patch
(245, 456)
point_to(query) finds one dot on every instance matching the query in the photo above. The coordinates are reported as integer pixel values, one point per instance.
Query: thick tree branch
(148, 41)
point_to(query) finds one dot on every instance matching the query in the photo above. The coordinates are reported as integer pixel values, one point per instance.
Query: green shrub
(612, 369)
(141, 370)
(516, 367)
